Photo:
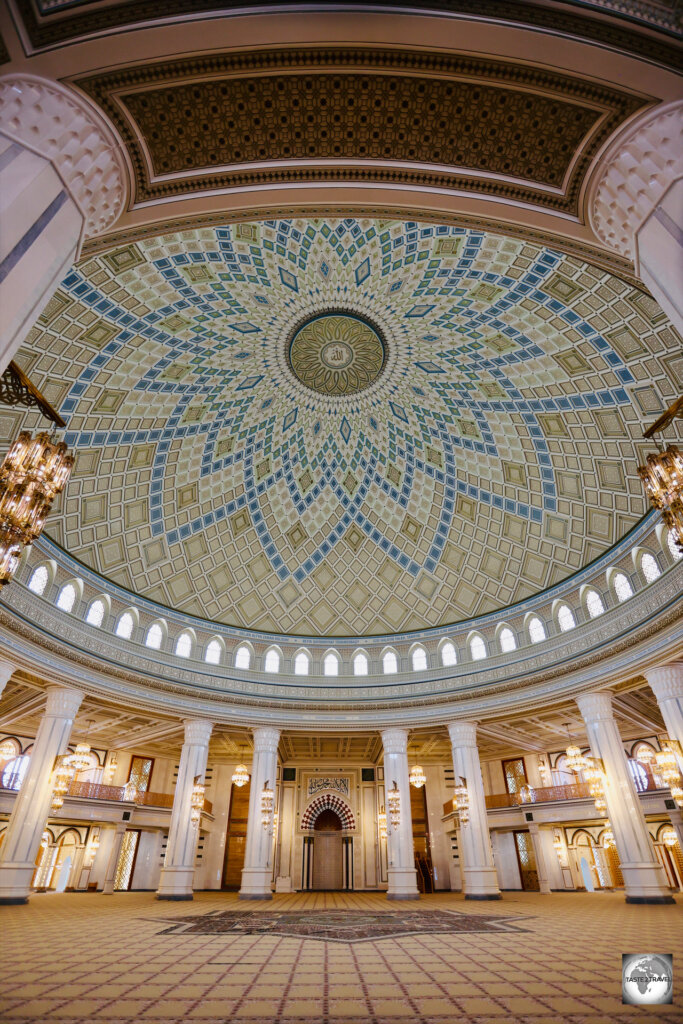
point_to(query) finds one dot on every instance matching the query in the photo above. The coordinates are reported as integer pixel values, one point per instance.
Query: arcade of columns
(644, 879)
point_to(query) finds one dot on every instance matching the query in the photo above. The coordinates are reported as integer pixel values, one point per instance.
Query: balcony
(119, 794)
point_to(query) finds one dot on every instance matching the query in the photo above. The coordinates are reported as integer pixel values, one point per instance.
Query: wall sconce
(382, 824)
(197, 800)
(267, 804)
(394, 805)
(461, 799)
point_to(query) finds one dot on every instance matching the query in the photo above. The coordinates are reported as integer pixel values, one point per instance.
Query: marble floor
(328, 958)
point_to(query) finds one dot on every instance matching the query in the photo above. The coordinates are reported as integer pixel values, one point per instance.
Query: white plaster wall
(505, 858)
(147, 866)
(437, 793)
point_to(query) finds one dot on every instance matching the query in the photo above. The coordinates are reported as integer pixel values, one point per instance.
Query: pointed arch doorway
(328, 871)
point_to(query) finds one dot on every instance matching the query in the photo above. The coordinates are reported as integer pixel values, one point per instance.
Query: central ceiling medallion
(337, 353)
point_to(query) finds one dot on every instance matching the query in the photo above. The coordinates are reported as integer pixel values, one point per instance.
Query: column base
(256, 884)
(650, 899)
(11, 901)
(483, 896)
(175, 884)
(254, 896)
(403, 896)
(480, 883)
(402, 884)
(174, 896)
(15, 882)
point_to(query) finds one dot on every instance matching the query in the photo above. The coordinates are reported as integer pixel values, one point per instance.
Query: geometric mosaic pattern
(328, 802)
(341, 925)
(494, 455)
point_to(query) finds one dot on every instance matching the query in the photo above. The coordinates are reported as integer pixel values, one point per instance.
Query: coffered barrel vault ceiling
(493, 455)
(427, 120)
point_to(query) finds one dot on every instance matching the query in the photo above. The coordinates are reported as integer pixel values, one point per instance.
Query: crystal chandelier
(34, 471)
(608, 837)
(576, 762)
(240, 776)
(461, 799)
(667, 768)
(267, 803)
(382, 824)
(394, 805)
(662, 476)
(595, 778)
(80, 759)
(197, 800)
(669, 836)
(61, 780)
(417, 776)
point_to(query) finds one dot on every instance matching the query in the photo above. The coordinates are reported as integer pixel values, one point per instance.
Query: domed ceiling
(347, 427)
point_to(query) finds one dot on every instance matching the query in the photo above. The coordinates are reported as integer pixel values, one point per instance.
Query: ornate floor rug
(341, 925)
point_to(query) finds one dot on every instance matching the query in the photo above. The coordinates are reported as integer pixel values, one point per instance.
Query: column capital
(197, 730)
(6, 672)
(395, 741)
(633, 175)
(59, 124)
(596, 706)
(63, 701)
(463, 734)
(666, 681)
(265, 739)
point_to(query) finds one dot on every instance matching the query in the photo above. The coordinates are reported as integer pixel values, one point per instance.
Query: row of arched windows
(505, 639)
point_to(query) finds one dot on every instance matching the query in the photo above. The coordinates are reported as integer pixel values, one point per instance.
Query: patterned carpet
(76, 958)
(340, 925)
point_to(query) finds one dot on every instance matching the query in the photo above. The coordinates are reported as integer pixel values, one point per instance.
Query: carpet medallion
(341, 925)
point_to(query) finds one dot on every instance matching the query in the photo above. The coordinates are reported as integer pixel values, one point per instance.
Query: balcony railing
(121, 794)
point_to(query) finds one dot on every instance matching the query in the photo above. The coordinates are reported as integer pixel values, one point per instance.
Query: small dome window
(67, 597)
(39, 580)
(360, 665)
(477, 648)
(507, 640)
(565, 618)
(154, 636)
(536, 630)
(419, 660)
(124, 627)
(673, 547)
(272, 662)
(95, 613)
(212, 655)
(649, 568)
(331, 665)
(301, 664)
(448, 655)
(242, 657)
(389, 663)
(622, 587)
(183, 647)
(594, 604)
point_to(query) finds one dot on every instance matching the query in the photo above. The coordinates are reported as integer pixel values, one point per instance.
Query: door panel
(327, 860)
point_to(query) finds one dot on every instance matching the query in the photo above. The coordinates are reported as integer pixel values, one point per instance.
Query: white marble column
(6, 671)
(541, 862)
(666, 683)
(480, 881)
(400, 852)
(636, 202)
(112, 863)
(257, 873)
(32, 806)
(644, 877)
(177, 873)
(62, 178)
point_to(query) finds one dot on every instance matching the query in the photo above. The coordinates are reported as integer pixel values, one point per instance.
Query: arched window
(66, 598)
(242, 657)
(477, 648)
(331, 665)
(124, 627)
(649, 568)
(39, 580)
(673, 547)
(272, 662)
(536, 630)
(622, 587)
(639, 775)
(95, 613)
(360, 665)
(389, 663)
(14, 771)
(183, 645)
(419, 660)
(301, 664)
(212, 655)
(565, 618)
(594, 604)
(507, 640)
(448, 655)
(155, 635)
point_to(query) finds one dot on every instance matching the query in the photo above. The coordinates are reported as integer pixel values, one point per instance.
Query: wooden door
(527, 862)
(327, 852)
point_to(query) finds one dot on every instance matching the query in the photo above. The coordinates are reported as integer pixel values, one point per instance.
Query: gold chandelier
(34, 472)
(197, 800)
(461, 799)
(662, 475)
(668, 770)
(61, 780)
(417, 776)
(394, 805)
(669, 836)
(267, 803)
(608, 839)
(240, 776)
(382, 824)
(8, 750)
(80, 759)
